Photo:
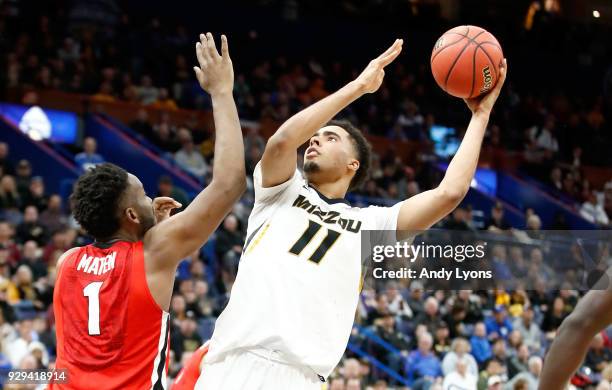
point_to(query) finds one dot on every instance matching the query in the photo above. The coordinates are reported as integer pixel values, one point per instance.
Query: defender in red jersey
(111, 298)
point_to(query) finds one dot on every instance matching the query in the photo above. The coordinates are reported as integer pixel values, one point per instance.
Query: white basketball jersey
(299, 277)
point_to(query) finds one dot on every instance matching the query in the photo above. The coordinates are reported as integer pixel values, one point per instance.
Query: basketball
(465, 61)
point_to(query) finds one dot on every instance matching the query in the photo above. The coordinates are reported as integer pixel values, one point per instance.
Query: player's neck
(123, 235)
(334, 190)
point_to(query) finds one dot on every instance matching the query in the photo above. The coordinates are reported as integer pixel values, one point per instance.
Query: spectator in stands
(531, 377)
(430, 316)
(555, 179)
(36, 196)
(500, 353)
(460, 377)
(229, 245)
(386, 330)
(519, 362)
(481, 349)
(141, 124)
(188, 157)
(164, 139)
(518, 267)
(88, 158)
(498, 325)
(105, 93)
(10, 200)
(441, 339)
(31, 228)
(186, 339)
(422, 365)
(544, 136)
(6, 167)
(23, 289)
(608, 199)
(594, 212)
(19, 348)
(497, 220)
(7, 243)
(165, 187)
(53, 218)
(32, 259)
(397, 304)
(530, 331)
(460, 350)
(337, 383)
(147, 92)
(500, 265)
(554, 317)
(23, 177)
(164, 101)
(598, 356)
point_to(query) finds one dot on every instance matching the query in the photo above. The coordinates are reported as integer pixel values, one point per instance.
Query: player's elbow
(230, 188)
(451, 196)
(278, 144)
(577, 324)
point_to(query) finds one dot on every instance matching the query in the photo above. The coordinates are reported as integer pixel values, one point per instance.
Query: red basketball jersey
(111, 334)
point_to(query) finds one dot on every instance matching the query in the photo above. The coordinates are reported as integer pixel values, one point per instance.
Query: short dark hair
(363, 149)
(95, 198)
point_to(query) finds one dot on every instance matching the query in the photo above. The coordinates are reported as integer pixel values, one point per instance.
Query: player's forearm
(229, 167)
(456, 181)
(303, 125)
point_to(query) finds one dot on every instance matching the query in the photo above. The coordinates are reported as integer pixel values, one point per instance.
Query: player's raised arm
(279, 159)
(425, 209)
(174, 238)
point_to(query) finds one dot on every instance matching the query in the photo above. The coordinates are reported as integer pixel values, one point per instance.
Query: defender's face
(330, 155)
(142, 205)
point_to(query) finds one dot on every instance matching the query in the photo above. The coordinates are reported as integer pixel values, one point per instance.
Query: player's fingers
(503, 72)
(204, 48)
(199, 54)
(212, 48)
(199, 74)
(390, 57)
(390, 48)
(224, 48)
(397, 45)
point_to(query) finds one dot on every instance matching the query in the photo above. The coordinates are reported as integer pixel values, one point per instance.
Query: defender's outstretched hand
(372, 76)
(484, 104)
(215, 73)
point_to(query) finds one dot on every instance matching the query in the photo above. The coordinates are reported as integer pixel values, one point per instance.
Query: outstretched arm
(176, 237)
(425, 209)
(279, 159)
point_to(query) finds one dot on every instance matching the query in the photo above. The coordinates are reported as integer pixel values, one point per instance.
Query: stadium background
(124, 72)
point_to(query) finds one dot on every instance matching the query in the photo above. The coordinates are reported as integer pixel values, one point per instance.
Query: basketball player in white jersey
(292, 305)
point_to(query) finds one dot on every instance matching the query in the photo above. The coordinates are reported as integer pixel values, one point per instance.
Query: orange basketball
(465, 61)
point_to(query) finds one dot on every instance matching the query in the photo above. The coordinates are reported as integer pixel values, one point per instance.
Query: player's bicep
(278, 163)
(423, 210)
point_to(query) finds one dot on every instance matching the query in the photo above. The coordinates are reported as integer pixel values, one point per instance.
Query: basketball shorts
(255, 370)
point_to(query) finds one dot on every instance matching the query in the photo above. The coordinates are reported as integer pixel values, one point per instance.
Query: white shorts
(247, 370)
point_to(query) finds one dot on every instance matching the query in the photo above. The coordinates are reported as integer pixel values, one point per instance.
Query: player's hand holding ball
(215, 73)
(372, 76)
(484, 104)
(468, 62)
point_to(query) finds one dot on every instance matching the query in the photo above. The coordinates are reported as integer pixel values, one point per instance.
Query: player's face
(330, 155)
(141, 205)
